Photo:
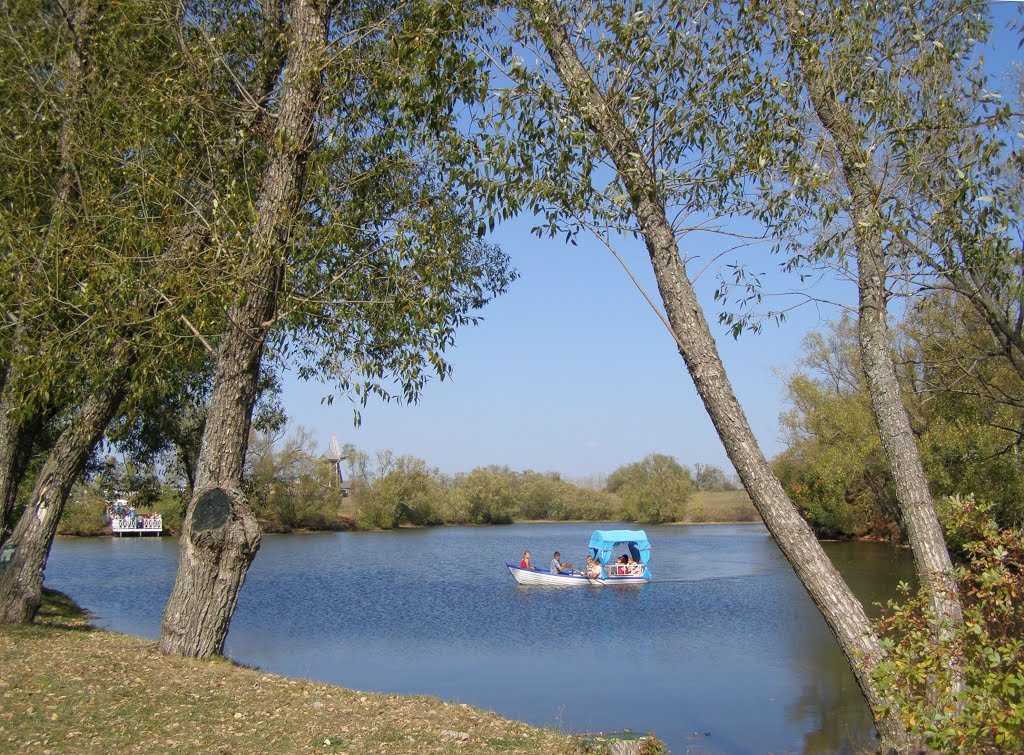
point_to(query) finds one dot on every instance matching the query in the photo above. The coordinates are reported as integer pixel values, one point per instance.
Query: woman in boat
(594, 568)
(634, 567)
(621, 566)
(525, 563)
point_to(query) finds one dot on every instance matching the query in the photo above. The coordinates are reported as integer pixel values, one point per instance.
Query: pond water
(722, 652)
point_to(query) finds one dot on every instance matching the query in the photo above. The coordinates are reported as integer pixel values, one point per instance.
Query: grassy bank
(67, 687)
(720, 506)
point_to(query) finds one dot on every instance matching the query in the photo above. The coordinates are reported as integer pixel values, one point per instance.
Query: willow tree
(886, 152)
(47, 63)
(102, 263)
(629, 119)
(358, 260)
(834, 53)
(912, 173)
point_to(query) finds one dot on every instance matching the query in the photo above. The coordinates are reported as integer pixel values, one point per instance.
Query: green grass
(723, 506)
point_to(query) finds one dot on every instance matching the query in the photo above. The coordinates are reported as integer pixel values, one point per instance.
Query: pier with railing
(137, 524)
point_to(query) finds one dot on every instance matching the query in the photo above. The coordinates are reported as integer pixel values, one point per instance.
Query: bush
(988, 715)
(654, 489)
(171, 507)
(83, 515)
(490, 494)
(404, 496)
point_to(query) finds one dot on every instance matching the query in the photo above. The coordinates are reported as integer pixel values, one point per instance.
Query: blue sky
(571, 371)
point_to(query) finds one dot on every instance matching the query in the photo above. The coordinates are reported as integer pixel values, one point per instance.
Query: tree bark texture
(826, 587)
(23, 556)
(17, 438)
(220, 534)
(898, 443)
(14, 437)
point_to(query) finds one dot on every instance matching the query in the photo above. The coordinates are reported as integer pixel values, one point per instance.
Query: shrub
(83, 515)
(170, 506)
(988, 714)
(406, 495)
(490, 495)
(654, 489)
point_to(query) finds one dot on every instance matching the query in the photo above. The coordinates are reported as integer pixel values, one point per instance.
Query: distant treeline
(404, 490)
(292, 487)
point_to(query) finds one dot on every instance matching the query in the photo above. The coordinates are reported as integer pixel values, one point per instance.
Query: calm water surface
(722, 652)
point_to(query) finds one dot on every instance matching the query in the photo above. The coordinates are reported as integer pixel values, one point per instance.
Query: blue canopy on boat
(602, 542)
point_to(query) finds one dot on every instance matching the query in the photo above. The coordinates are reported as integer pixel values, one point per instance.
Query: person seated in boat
(557, 567)
(621, 566)
(594, 568)
(525, 563)
(634, 567)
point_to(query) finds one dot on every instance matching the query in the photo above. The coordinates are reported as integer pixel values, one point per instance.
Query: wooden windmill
(334, 458)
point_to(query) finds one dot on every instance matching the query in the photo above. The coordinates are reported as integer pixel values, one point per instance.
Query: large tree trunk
(830, 593)
(923, 528)
(23, 556)
(220, 535)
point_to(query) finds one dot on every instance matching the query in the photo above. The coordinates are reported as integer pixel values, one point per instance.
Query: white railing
(139, 523)
(624, 570)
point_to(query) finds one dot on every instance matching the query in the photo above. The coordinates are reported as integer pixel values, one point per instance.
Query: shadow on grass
(61, 612)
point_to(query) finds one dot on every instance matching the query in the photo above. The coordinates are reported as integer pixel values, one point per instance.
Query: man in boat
(557, 567)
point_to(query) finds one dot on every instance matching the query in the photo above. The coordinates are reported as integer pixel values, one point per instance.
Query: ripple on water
(723, 640)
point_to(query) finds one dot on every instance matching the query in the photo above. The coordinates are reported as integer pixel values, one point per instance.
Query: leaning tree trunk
(220, 534)
(826, 587)
(898, 443)
(23, 556)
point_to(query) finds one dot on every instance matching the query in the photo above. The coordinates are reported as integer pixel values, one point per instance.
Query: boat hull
(630, 579)
(541, 577)
(538, 577)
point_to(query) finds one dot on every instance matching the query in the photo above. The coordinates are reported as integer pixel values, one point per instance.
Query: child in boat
(594, 568)
(525, 563)
(634, 567)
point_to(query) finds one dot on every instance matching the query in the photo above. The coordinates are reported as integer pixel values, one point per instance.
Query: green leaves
(987, 715)
(654, 489)
(833, 466)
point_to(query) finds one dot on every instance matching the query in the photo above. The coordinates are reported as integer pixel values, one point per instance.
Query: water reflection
(724, 641)
(829, 706)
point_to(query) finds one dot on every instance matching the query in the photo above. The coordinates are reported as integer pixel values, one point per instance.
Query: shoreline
(170, 532)
(410, 527)
(128, 697)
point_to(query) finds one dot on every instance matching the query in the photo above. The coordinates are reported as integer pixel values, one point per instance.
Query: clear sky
(571, 371)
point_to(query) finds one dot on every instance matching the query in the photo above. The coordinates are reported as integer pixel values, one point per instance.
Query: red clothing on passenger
(524, 564)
